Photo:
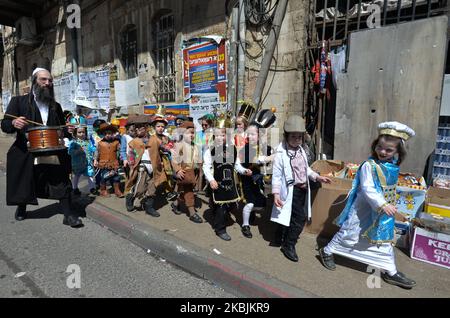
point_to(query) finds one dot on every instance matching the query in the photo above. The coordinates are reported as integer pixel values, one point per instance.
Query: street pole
(270, 49)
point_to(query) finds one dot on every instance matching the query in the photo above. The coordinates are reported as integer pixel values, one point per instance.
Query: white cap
(38, 69)
(396, 129)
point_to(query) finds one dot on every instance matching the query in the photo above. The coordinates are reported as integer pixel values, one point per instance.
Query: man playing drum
(37, 175)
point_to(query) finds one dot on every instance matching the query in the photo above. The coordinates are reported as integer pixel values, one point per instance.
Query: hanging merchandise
(337, 60)
(321, 71)
(316, 72)
(323, 68)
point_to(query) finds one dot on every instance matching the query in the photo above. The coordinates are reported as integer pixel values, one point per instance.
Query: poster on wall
(204, 69)
(202, 104)
(6, 97)
(205, 76)
(65, 88)
(127, 92)
(93, 90)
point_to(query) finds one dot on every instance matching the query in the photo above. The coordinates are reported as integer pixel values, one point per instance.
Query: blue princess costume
(379, 227)
(366, 231)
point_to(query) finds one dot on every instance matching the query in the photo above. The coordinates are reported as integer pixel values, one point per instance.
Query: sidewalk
(250, 266)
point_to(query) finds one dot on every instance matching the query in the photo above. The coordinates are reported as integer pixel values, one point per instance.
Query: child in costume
(155, 148)
(219, 171)
(81, 152)
(106, 159)
(204, 139)
(186, 163)
(252, 166)
(242, 120)
(141, 168)
(290, 186)
(367, 221)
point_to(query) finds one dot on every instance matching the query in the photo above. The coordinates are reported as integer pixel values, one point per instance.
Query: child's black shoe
(399, 279)
(246, 231)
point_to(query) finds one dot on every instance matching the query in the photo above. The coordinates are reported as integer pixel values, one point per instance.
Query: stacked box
(441, 166)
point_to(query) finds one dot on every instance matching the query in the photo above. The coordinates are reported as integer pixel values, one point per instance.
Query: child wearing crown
(219, 170)
(367, 221)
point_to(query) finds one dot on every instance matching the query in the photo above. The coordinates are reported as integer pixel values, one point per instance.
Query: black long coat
(26, 182)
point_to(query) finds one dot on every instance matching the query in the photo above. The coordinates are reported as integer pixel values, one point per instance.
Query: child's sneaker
(399, 279)
(327, 260)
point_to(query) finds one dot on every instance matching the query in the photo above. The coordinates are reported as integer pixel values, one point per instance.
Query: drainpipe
(241, 51)
(233, 60)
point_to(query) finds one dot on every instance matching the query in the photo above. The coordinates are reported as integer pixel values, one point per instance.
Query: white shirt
(43, 108)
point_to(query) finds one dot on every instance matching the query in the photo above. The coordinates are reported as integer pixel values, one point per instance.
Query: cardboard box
(434, 223)
(328, 200)
(401, 234)
(431, 247)
(438, 201)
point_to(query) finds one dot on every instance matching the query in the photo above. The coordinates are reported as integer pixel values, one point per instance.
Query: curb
(233, 277)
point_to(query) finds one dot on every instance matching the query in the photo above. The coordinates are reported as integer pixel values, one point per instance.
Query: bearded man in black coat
(30, 175)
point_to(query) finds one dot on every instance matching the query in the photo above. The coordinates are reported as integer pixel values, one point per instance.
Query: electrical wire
(260, 12)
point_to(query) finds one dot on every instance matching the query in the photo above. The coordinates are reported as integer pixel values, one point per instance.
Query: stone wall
(102, 22)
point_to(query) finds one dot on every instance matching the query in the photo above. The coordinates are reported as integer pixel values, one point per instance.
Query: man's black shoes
(72, 221)
(289, 252)
(21, 213)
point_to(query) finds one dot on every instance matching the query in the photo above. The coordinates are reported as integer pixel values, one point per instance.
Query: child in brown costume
(186, 163)
(106, 159)
(140, 167)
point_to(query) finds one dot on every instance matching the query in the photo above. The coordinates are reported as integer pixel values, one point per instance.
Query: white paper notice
(127, 92)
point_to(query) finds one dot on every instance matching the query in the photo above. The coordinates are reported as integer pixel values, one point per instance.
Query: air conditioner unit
(26, 31)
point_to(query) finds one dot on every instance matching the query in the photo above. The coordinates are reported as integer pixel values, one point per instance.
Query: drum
(45, 138)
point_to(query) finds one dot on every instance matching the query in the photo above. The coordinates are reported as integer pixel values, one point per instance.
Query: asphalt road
(41, 257)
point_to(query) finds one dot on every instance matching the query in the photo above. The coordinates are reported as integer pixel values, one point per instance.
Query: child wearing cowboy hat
(106, 159)
(186, 164)
(290, 185)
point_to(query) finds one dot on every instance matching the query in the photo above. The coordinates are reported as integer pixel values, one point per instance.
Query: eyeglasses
(205, 125)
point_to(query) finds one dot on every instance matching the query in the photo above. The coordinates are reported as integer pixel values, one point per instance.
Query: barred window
(164, 58)
(128, 45)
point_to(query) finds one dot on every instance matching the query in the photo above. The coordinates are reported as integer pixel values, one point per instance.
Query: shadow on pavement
(45, 212)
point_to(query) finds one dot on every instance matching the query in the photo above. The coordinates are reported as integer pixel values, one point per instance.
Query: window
(128, 45)
(164, 58)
